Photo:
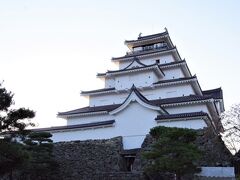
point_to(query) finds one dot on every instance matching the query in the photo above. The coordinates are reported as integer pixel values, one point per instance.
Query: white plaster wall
(109, 82)
(133, 128)
(97, 133)
(168, 58)
(89, 119)
(173, 73)
(162, 92)
(142, 78)
(107, 99)
(188, 108)
(139, 79)
(190, 124)
(156, 93)
(217, 172)
(132, 142)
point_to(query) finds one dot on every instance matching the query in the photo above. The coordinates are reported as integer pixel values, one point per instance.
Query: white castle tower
(153, 87)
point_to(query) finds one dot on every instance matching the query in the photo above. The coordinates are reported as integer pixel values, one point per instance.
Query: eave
(181, 64)
(192, 80)
(149, 54)
(98, 91)
(167, 117)
(154, 67)
(94, 125)
(187, 102)
(65, 116)
(168, 102)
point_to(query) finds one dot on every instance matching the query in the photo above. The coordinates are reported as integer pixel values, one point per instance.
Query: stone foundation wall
(214, 152)
(102, 159)
(79, 159)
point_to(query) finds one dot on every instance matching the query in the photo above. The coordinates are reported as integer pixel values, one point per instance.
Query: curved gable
(136, 96)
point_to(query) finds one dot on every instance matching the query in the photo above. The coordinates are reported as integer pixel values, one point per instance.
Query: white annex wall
(190, 124)
(132, 123)
(132, 127)
(188, 108)
(89, 119)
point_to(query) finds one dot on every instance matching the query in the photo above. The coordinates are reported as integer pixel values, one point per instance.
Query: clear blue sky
(50, 50)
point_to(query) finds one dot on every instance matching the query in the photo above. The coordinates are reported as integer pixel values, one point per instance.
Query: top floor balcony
(148, 48)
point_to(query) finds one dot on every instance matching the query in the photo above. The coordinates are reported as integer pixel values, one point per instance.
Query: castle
(152, 87)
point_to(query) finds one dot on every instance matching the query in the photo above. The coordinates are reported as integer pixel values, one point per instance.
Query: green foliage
(13, 122)
(12, 156)
(40, 147)
(173, 151)
(20, 149)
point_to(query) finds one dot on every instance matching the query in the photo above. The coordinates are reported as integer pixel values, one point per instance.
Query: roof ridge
(151, 36)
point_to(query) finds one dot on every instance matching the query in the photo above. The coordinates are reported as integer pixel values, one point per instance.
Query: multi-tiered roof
(152, 87)
(155, 73)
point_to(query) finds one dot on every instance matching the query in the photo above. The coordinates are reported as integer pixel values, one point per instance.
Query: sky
(50, 50)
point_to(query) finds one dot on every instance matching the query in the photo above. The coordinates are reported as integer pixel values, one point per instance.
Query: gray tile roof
(125, 70)
(180, 99)
(147, 37)
(157, 102)
(98, 90)
(160, 65)
(172, 63)
(89, 109)
(78, 126)
(215, 93)
(175, 80)
(180, 115)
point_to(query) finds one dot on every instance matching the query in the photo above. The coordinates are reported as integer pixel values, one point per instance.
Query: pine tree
(173, 152)
(13, 123)
(41, 162)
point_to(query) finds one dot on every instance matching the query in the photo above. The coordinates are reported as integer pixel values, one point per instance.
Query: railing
(146, 49)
